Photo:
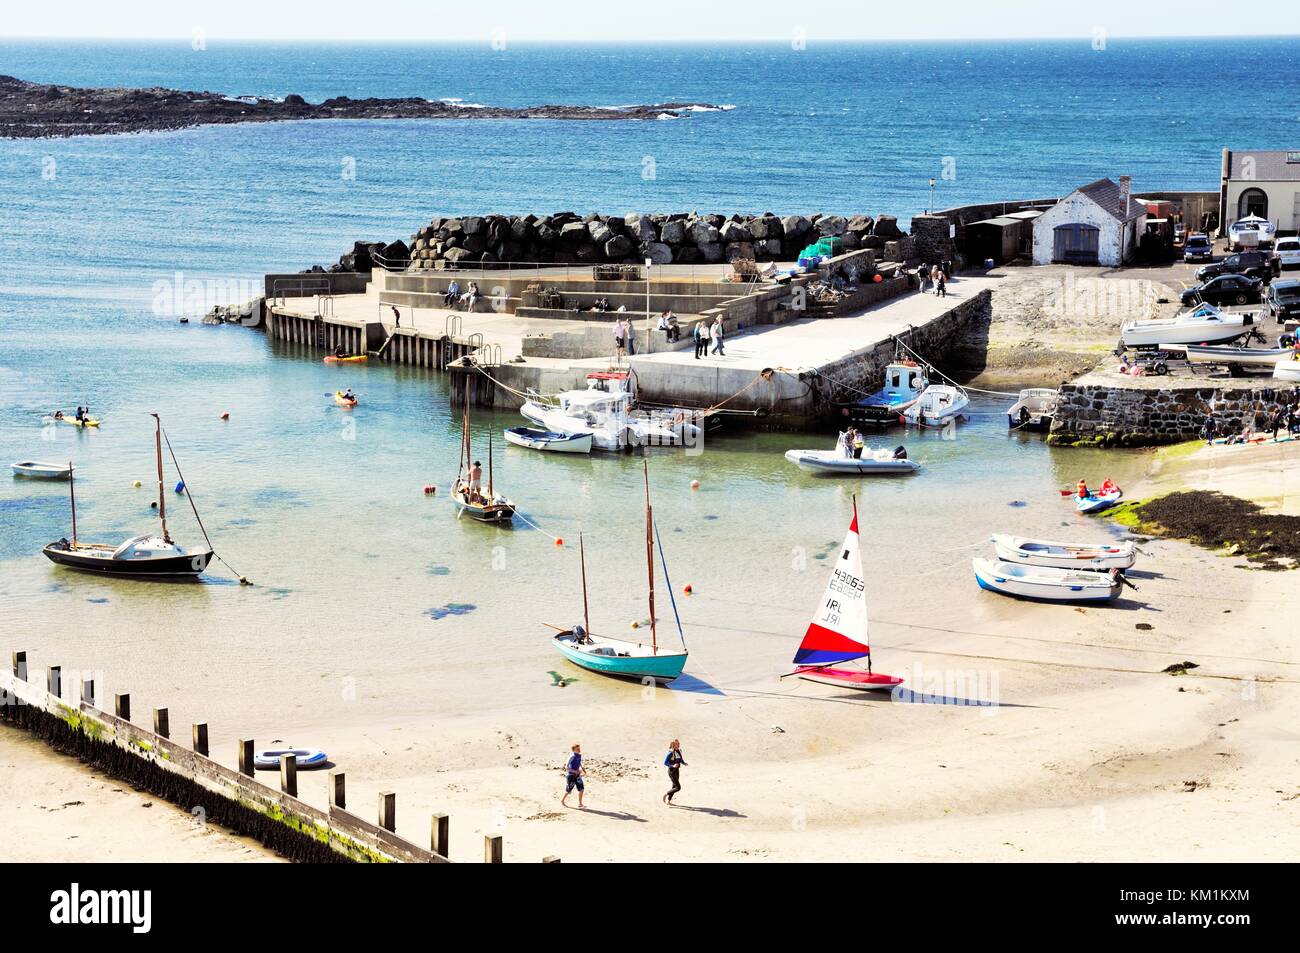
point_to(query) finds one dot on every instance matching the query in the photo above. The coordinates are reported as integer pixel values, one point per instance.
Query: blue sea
(357, 570)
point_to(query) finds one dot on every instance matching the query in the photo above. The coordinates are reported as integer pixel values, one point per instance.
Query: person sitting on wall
(674, 329)
(470, 297)
(453, 292)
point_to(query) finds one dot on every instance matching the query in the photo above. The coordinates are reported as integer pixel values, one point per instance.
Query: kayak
(88, 422)
(1094, 503)
(351, 359)
(342, 401)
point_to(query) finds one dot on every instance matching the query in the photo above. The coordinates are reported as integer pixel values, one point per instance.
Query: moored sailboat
(622, 657)
(838, 630)
(467, 492)
(150, 555)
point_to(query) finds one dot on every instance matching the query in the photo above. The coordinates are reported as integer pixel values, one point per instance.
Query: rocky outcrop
(42, 111)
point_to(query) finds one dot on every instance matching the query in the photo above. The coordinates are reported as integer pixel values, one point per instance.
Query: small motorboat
(537, 439)
(939, 404)
(347, 359)
(1204, 324)
(905, 381)
(1037, 552)
(1046, 583)
(344, 401)
(841, 461)
(1246, 356)
(1096, 502)
(39, 470)
(1034, 409)
(269, 758)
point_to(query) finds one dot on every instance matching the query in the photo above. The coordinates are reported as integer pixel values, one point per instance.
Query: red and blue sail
(841, 618)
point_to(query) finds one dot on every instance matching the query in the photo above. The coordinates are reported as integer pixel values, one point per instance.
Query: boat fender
(180, 486)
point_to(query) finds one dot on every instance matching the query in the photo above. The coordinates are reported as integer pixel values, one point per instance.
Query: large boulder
(769, 248)
(454, 227)
(795, 227)
(586, 252)
(640, 228)
(600, 232)
(547, 233)
(739, 250)
(657, 252)
(521, 229)
(831, 225)
(687, 255)
(673, 232)
(711, 252)
(860, 224)
(456, 255)
(887, 227)
(474, 224)
(732, 232)
(475, 243)
(617, 247)
(361, 256)
(703, 233)
(574, 232)
(397, 252)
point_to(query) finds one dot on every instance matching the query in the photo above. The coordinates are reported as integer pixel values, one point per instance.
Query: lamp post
(931, 195)
(648, 330)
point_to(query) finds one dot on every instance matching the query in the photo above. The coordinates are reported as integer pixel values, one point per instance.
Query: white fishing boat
(1287, 371)
(838, 631)
(1204, 324)
(1046, 583)
(939, 404)
(1034, 409)
(608, 410)
(40, 470)
(905, 381)
(626, 658)
(536, 439)
(841, 460)
(1038, 552)
(1227, 354)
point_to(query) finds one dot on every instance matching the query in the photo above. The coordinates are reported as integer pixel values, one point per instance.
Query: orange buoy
(636, 624)
(695, 484)
(225, 415)
(559, 541)
(688, 589)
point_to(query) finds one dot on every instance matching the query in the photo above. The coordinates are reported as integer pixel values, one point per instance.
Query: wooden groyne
(187, 776)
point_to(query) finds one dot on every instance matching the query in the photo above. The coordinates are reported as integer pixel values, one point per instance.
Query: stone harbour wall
(1104, 415)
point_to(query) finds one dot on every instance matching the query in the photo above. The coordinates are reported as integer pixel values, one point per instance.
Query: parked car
(1198, 247)
(1250, 231)
(1283, 300)
(1288, 252)
(1256, 264)
(1225, 289)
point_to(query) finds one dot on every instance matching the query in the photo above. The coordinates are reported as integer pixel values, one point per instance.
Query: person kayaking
(349, 396)
(1107, 487)
(58, 415)
(1083, 490)
(338, 351)
(82, 414)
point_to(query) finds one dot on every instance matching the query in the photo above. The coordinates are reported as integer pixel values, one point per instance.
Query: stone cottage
(1096, 224)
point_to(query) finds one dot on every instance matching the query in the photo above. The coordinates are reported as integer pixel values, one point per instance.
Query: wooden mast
(582, 558)
(162, 500)
(650, 559)
(491, 495)
(72, 478)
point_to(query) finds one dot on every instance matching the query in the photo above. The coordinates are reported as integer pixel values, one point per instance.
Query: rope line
(243, 580)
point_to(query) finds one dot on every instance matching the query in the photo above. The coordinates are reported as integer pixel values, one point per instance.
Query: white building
(1263, 183)
(1097, 224)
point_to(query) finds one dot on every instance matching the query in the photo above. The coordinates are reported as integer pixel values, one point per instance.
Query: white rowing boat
(1227, 354)
(1038, 552)
(40, 470)
(536, 439)
(1045, 583)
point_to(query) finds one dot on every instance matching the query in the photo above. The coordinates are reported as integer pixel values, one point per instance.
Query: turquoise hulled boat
(626, 658)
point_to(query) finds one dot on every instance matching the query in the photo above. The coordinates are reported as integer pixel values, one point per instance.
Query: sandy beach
(1091, 751)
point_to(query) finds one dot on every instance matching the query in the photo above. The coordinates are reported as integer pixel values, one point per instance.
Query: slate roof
(1270, 166)
(1107, 194)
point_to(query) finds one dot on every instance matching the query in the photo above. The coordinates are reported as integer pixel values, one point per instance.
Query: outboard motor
(900, 453)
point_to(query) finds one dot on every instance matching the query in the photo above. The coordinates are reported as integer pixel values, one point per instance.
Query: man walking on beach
(674, 763)
(573, 775)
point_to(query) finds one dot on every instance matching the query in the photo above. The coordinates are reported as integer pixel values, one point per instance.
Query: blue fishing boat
(905, 382)
(626, 658)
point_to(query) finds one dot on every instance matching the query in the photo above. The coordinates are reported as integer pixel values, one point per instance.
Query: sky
(585, 21)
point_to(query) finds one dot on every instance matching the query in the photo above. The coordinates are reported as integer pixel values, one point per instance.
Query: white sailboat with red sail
(838, 631)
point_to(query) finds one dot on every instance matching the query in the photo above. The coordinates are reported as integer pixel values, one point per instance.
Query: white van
(1288, 251)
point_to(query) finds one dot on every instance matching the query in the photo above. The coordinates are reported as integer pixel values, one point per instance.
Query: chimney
(1126, 189)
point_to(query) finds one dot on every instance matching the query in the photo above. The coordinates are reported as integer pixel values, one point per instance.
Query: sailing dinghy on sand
(838, 625)
(621, 657)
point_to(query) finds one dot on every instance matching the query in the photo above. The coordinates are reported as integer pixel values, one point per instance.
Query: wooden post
(550, 859)
(440, 834)
(388, 810)
(160, 726)
(338, 790)
(199, 738)
(20, 666)
(88, 692)
(492, 849)
(54, 681)
(289, 774)
(246, 756)
(122, 706)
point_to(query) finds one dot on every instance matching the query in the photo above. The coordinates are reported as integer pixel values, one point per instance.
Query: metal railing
(306, 286)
